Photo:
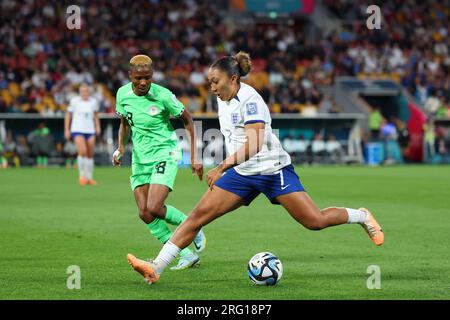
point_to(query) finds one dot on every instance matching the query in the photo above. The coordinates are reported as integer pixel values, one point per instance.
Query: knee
(149, 212)
(82, 153)
(154, 209)
(145, 215)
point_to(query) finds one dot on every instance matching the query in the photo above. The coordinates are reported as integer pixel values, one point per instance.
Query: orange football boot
(145, 268)
(372, 228)
(92, 182)
(83, 181)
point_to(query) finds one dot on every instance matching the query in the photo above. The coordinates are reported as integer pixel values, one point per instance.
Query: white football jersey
(249, 107)
(83, 114)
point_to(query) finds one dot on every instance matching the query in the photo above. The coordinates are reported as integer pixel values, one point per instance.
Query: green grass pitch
(48, 223)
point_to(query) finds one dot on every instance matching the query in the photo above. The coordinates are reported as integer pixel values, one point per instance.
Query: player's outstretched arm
(124, 133)
(255, 140)
(196, 165)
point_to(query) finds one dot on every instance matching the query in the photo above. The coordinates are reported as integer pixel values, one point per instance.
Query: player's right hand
(117, 158)
(197, 168)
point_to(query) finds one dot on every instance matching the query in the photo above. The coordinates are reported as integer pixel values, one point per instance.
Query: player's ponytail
(244, 63)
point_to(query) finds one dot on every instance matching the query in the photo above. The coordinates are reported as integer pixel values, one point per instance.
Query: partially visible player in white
(256, 163)
(82, 125)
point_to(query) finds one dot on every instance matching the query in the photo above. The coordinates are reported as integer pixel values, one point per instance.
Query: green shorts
(159, 172)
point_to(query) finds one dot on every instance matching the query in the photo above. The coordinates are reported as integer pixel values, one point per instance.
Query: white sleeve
(96, 105)
(254, 110)
(72, 106)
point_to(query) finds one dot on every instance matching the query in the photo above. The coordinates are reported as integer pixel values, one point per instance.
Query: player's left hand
(197, 168)
(98, 132)
(212, 176)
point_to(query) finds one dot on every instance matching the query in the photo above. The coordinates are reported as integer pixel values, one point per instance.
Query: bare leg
(90, 147)
(301, 207)
(80, 142)
(141, 196)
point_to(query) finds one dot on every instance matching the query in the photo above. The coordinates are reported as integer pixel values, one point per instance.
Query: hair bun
(244, 63)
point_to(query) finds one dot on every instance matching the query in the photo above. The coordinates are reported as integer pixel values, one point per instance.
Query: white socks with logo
(356, 216)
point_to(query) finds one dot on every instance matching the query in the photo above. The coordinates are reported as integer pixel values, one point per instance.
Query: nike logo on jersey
(282, 188)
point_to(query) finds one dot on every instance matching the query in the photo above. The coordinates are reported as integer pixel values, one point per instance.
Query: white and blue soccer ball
(265, 268)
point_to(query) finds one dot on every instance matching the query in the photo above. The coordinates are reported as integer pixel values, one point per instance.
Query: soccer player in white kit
(82, 125)
(256, 163)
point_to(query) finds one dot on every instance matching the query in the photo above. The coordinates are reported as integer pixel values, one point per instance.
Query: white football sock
(356, 216)
(168, 252)
(81, 166)
(89, 163)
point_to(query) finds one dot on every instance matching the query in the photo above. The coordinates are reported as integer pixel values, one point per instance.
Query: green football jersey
(152, 133)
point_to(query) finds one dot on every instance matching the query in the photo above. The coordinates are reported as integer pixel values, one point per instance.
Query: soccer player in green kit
(145, 109)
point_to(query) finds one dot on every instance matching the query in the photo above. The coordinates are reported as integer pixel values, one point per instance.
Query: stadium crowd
(42, 62)
(412, 47)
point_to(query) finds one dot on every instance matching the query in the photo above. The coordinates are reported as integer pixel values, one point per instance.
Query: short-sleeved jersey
(149, 117)
(249, 107)
(83, 114)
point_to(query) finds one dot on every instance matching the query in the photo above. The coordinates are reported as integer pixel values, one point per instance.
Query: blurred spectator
(334, 149)
(443, 110)
(402, 136)
(328, 106)
(23, 150)
(102, 154)
(309, 109)
(389, 135)
(297, 148)
(388, 131)
(10, 151)
(318, 148)
(70, 153)
(375, 120)
(41, 144)
(432, 104)
(442, 143)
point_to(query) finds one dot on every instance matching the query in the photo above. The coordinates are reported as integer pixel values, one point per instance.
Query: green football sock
(44, 161)
(158, 228)
(39, 160)
(174, 216)
(185, 251)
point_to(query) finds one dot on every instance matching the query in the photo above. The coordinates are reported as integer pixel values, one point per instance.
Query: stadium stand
(41, 67)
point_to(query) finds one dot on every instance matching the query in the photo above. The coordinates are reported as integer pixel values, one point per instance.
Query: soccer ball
(265, 268)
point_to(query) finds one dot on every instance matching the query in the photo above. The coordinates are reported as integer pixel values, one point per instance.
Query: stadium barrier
(345, 128)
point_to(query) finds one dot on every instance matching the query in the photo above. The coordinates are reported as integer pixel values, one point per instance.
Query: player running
(82, 125)
(145, 109)
(256, 164)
